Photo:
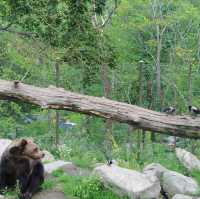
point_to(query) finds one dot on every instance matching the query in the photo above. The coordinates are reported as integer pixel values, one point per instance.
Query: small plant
(57, 173)
(13, 193)
(92, 188)
(48, 184)
(89, 188)
(196, 175)
(81, 187)
(64, 152)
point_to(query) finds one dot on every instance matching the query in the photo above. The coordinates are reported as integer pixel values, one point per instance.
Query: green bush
(92, 188)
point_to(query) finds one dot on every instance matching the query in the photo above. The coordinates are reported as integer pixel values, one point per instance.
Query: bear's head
(26, 148)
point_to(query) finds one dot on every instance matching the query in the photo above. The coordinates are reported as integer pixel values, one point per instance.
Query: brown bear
(21, 162)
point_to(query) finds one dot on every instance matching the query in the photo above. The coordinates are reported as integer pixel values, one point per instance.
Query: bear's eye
(36, 149)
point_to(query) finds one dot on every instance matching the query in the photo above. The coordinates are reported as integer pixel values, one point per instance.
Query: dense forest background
(143, 52)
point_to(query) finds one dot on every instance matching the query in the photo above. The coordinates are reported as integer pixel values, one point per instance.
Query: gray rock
(2, 197)
(98, 164)
(60, 164)
(176, 183)
(180, 196)
(71, 169)
(155, 169)
(170, 140)
(128, 182)
(3, 145)
(48, 157)
(189, 160)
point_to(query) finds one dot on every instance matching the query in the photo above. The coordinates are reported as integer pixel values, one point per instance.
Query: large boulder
(155, 169)
(176, 183)
(67, 167)
(126, 182)
(50, 167)
(3, 145)
(180, 196)
(189, 160)
(48, 157)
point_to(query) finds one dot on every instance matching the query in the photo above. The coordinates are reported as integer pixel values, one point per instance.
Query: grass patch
(81, 187)
(12, 193)
(162, 155)
(92, 188)
(196, 174)
(48, 184)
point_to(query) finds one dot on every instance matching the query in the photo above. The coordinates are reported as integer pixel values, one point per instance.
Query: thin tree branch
(110, 14)
(27, 34)
(6, 27)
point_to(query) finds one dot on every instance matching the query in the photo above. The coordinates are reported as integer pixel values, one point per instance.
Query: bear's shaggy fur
(21, 162)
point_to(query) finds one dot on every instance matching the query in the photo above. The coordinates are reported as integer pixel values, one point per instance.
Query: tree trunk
(58, 98)
(175, 105)
(107, 89)
(193, 147)
(141, 98)
(190, 85)
(57, 73)
(158, 70)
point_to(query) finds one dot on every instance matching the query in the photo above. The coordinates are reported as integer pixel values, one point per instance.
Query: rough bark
(58, 98)
(158, 69)
(108, 125)
(141, 96)
(57, 78)
(190, 84)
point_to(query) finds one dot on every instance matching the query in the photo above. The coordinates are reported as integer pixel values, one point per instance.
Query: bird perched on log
(194, 110)
(109, 162)
(169, 110)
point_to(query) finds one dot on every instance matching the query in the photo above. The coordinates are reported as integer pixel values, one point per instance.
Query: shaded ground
(51, 195)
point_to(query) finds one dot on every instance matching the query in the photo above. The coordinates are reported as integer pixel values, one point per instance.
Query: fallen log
(60, 99)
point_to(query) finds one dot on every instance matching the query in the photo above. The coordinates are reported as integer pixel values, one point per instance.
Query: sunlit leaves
(183, 53)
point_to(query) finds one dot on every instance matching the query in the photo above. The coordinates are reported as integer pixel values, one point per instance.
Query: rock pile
(149, 184)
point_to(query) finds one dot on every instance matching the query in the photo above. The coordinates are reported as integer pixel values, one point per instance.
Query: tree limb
(58, 98)
(6, 27)
(20, 33)
(110, 14)
(27, 34)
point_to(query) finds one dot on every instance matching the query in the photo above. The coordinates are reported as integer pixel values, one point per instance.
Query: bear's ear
(23, 143)
(15, 150)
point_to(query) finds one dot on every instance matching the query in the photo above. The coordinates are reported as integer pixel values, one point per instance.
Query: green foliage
(100, 6)
(12, 193)
(37, 128)
(163, 155)
(88, 159)
(46, 19)
(8, 127)
(92, 188)
(48, 184)
(196, 175)
(81, 187)
(43, 32)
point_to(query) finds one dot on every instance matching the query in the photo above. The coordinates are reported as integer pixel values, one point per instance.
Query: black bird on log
(109, 162)
(169, 110)
(194, 110)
